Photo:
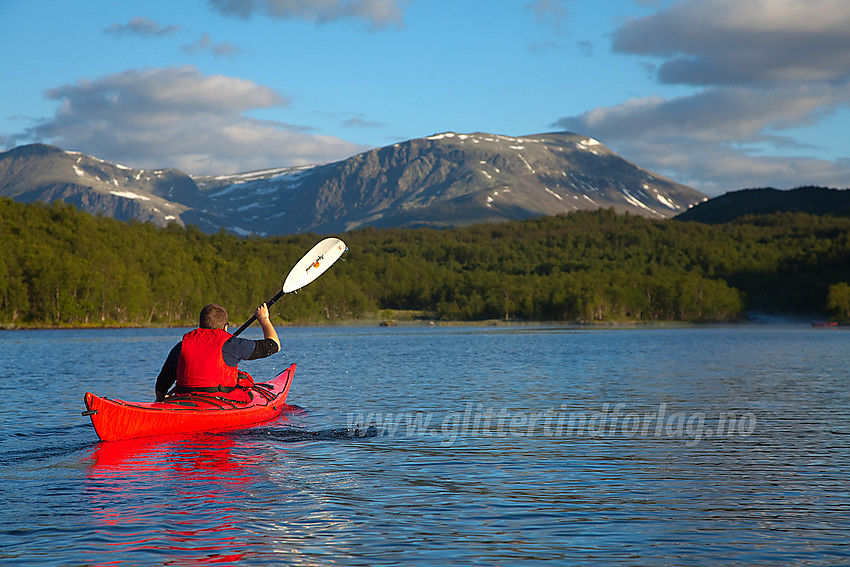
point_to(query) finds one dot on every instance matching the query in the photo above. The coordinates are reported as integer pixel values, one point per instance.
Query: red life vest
(201, 364)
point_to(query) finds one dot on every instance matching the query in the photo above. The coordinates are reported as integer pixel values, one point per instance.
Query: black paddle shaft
(253, 318)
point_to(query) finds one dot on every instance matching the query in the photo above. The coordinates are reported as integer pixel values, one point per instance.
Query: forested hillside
(62, 267)
(765, 201)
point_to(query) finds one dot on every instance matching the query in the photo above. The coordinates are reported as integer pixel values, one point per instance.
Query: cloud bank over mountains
(177, 117)
(763, 68)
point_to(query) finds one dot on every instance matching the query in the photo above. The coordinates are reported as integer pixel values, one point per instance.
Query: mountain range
(443, 180)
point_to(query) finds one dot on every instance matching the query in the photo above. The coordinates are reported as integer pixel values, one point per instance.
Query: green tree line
(62, 267)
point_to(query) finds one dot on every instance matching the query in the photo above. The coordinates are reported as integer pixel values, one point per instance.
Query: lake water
(445, 445)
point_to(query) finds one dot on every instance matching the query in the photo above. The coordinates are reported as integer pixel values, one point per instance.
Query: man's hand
(262, 314)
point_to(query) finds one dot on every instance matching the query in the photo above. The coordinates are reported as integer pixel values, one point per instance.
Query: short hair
(213, 316)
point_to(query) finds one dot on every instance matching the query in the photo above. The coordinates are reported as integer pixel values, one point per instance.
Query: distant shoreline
(750, 319)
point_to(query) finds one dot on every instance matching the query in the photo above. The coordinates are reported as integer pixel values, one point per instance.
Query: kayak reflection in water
(207, 358)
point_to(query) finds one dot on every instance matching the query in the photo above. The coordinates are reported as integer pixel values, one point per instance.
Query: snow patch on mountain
(130, 195)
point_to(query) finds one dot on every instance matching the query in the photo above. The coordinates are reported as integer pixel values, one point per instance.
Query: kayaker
(207, 358)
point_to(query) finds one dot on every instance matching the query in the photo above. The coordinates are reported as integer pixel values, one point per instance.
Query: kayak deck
(118, 419)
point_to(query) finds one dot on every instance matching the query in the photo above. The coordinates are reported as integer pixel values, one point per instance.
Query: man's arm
(237, 348)
(262, 314)
(168, 373)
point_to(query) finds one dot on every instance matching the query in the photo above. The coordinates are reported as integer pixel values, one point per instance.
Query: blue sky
(717, 94)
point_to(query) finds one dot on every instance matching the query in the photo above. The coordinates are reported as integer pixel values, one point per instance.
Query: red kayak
(187, 413)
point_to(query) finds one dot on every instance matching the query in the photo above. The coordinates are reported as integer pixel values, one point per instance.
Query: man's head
(213, 316)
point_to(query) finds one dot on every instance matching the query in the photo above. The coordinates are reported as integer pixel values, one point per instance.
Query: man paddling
(207, 359)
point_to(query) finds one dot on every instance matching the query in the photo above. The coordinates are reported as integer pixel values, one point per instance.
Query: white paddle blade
(314, 263)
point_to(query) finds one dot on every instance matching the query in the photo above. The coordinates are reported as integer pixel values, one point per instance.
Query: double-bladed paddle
(311, 266)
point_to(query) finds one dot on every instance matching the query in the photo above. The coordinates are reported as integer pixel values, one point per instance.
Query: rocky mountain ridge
(444, 180)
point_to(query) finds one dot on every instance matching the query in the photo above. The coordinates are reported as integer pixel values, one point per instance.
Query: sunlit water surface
(445, 445)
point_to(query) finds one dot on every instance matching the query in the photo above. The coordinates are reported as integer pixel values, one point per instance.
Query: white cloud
(761, 68)
(143, 27)
(378, 13)
(206, 44)
(711, 42)
(550, 12)
(361, 122)
(713, 140)
(724, 114)
(176, 117)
